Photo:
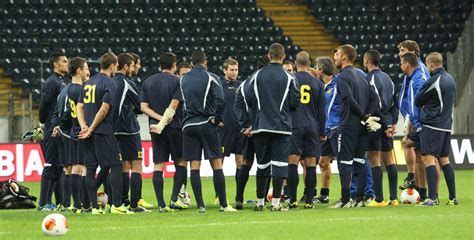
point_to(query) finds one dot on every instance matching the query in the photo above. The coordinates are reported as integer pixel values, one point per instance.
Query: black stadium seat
(32, 29)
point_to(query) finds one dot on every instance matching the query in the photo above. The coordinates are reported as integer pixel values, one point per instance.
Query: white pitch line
(385, 217)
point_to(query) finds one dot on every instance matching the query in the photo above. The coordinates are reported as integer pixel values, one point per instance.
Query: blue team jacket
(203, 97)
(437, 98)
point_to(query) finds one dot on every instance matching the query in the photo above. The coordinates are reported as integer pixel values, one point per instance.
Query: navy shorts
(248, 148)
(435, 143)
(130, 147)
(231, 142)
(76, 152)
(305, 142)
(49, 147)
(63, 150)
(272, 154)
(169, 142)
(199, 138)
(378, 141)
(351, 144)
(329, 147)
(414, 136)
(101, 150)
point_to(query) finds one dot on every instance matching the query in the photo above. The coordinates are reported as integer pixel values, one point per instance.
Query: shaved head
(303, 59)
(435, 58)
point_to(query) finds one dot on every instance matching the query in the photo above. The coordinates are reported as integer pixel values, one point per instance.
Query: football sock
(411, 176)
(310, 183)
(260, 201)
(432, 177)
(261, 187)
(86, 203)
(242, 182)
(102, 176)
(293, 179)
(422, 192)
(237, 172)
(277, 183)
(158, 186)
(178, 180)
(325, 191)
(91, 185)
(66, 195)
(392, 174)
(285, 189)
(135, 184)
(197, 187)
(275, 202)
(377, 176)
(361, 179)
(125, 185)
(345, 174)
(115, 180)
(450, 180)
(76, 184)
(219, 183)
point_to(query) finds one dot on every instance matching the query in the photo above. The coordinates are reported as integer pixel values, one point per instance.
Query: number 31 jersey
(97, 90)
(311, 111)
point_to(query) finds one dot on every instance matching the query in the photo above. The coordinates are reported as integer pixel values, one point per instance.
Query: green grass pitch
(402, 222)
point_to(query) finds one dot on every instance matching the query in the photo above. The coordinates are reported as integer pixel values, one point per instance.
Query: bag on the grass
(15, 196)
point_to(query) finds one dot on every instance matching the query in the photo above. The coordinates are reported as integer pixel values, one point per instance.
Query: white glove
(372, 124)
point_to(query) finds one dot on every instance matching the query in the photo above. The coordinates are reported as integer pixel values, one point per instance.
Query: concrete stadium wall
(461, 67)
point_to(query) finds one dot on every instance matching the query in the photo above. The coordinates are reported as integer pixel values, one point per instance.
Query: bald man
(308, 130)
(436, 101)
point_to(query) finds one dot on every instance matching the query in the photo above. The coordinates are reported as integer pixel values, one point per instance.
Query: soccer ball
(102, 199)
(54, 225)
(270, 194)
(410, 196)
(184, 197)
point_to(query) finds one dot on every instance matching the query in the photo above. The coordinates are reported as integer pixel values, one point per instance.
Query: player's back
(438, 110)
(384, 88)
(98, 89)
(203, 96)
(359, 91)
(127, 102)
(275, 95)
(158, 90)
(312, 101)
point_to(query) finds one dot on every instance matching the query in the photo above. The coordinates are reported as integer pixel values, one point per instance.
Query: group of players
(284, 114)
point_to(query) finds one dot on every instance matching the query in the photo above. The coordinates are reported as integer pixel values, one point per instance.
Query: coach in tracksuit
(436, 100)
(52, 169)
(411, 86)
(273, 94)
(410, 46)
(203, 112)
(127, 130)
(354, 97)
(380, 143)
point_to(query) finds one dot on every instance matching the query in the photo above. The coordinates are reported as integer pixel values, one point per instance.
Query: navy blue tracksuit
(436, 101)
(203, 100)
(273, 94)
